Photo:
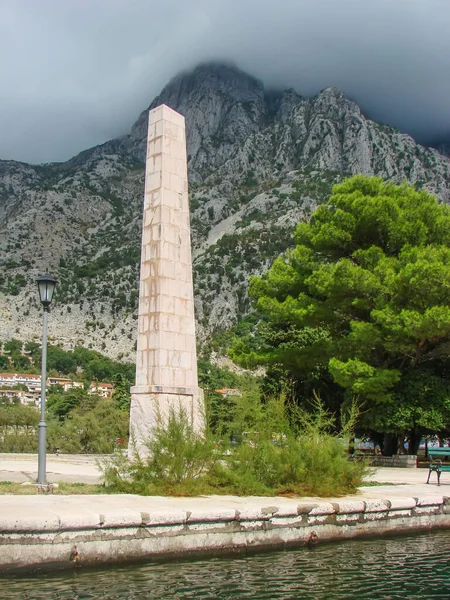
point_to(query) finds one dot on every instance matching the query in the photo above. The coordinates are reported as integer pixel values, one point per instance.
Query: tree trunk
(415, 438)
(390, 444)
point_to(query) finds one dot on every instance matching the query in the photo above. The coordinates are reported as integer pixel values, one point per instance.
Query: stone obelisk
(166, 361)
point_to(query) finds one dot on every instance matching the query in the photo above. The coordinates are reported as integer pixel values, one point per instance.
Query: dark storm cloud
(78, 72)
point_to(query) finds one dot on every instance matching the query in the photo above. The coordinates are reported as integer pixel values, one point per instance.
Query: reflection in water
(410, 568)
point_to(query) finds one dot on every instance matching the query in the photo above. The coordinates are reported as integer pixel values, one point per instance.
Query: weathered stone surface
(41, 522)
(426, 510)
(80, 519)
(164, 517)
(251, 513)
(429, 500)
(396, 514)
(314, 520)
(108, 528)
(147, 410)
(349, 517)
(204, 516)
(326, 508)
(255, 524)
(377, 505)
(291, 521)
(269, 510)
(349, 506)
(306, 508)
(166, 357)
(121, 518)
(375, 516)
(286, 510)
(402, 503)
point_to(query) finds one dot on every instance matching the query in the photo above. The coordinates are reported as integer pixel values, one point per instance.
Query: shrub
(180, 461)
(90, 429)
(266, 450)
(18, 428)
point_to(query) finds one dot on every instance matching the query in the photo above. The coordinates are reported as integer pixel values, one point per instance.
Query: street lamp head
(46, 285)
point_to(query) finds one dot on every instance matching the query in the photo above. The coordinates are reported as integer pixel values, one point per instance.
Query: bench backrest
(444, 451)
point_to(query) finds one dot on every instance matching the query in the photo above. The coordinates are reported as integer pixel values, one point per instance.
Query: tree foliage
(92, 427)
(364, 296)
(79, 363)
(121, 395)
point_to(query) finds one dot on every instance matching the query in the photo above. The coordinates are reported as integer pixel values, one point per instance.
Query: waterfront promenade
(42, 530)
(82, 468)
(69, 468)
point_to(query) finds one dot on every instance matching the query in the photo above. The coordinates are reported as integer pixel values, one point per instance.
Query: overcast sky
(75, 73)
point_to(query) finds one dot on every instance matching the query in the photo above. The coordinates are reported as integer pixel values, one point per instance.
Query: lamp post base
(42, 488)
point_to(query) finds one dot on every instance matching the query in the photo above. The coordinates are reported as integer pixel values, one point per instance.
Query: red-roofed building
(105, 390)
(226, 392)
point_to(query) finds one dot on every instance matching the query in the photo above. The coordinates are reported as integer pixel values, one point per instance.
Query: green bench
(435, 455)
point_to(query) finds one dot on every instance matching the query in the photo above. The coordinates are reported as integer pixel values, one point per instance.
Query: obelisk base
(150, 409)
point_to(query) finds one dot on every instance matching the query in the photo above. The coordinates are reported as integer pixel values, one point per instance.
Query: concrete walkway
(86, 469)
(70, 468)
(82, 468)
(12, 506)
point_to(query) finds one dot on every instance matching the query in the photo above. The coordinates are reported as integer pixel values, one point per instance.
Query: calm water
(399, 568)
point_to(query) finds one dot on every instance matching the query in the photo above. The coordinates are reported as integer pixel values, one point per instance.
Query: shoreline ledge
(40, 532)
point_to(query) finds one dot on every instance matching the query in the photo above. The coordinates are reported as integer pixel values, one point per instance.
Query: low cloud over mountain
(76, 73)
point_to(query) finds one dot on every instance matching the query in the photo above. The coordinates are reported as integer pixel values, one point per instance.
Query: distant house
(73, 385)
(12, 394)
(105, 390)
(33, 382)
(64, 382)
(226, 392)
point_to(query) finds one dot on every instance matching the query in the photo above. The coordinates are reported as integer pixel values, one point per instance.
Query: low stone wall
(48, 540)
(398, 460)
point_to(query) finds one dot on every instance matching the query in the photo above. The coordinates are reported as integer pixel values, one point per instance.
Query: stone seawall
(122, 528)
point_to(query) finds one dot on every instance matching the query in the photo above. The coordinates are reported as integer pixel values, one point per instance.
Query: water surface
(403, 568)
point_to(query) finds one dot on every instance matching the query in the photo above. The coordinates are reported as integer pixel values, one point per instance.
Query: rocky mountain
(259, 161)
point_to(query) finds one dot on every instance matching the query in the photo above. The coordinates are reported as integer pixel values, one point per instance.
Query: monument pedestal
(150, 408)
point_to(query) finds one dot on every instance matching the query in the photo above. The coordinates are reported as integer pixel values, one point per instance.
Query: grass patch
(377, 483)
(63, 489)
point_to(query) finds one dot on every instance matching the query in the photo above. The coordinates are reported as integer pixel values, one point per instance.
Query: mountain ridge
(259, 161)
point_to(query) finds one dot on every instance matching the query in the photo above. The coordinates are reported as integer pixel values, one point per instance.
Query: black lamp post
(46, 285)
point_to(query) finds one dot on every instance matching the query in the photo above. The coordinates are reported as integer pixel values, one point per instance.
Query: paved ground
(28, 509)
(81, 468)
(394, 475)
(41, 511)
(71, 468)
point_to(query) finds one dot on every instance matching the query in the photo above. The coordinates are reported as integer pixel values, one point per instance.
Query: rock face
(259, 161)
(222, 108)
